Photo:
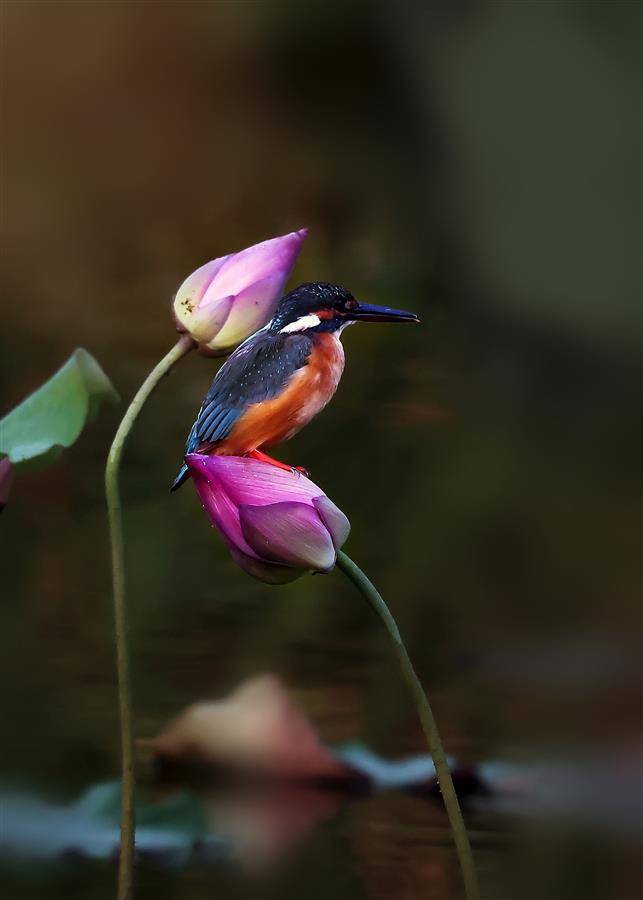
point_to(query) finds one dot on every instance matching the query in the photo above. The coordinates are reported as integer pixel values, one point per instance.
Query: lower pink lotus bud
(277, 524)
(6, 480)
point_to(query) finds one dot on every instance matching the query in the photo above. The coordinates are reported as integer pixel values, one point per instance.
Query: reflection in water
(259, 822)
(257, 782)
(174, 831)
(255, 826)
(264, 824)
(397, 830)
(599, 792)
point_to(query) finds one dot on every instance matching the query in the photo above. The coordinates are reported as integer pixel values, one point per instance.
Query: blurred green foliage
(51, 418)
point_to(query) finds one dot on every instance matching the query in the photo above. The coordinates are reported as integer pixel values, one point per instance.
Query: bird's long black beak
(366, 312)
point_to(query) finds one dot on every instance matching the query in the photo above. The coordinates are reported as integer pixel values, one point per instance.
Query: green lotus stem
(449, 796)
(126, 858)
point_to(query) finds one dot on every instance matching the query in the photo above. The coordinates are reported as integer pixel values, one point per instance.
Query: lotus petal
(275, 256)
(252, 481)
(205, 323)
(251, 310)
(269, 573)
(334, 520)
(290, 533)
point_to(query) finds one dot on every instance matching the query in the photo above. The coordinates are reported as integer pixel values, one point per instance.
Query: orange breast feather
(308, 391)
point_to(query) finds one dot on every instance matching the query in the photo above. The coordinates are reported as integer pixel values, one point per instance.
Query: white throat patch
(310, 321)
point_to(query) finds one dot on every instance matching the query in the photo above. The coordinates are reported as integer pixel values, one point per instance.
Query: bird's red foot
(263, 457)
(301, 471)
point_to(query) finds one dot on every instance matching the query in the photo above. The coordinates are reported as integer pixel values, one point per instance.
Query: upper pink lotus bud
(277, 524)
(228, 299)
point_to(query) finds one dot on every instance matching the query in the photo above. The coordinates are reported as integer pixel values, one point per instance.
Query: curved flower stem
(454, 813)
(126, 859)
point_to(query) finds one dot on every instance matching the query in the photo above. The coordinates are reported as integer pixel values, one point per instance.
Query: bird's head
(317, 307)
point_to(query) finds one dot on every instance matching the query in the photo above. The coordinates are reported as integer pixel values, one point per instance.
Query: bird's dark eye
(351, 303)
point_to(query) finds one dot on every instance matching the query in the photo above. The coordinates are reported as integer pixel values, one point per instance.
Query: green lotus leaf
(52, 418)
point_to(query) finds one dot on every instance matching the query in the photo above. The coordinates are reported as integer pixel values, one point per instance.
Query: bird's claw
(299, 471)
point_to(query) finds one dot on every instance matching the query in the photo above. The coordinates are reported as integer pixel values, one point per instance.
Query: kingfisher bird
(278, 379)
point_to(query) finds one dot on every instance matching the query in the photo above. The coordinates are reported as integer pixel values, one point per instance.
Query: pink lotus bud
(277, 524)
(228, 299)
(6, 480)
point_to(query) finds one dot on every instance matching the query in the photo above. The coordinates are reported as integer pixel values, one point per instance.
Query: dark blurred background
(477, 162)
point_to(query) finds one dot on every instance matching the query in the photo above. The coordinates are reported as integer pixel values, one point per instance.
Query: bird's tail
(183, 475)
(190, 447)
